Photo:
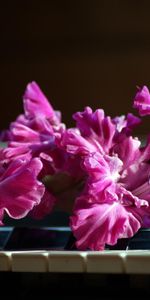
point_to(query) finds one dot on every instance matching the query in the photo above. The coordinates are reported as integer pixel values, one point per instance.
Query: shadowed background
(80, 53)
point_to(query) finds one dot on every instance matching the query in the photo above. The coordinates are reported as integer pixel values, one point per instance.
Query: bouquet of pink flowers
(98, 164)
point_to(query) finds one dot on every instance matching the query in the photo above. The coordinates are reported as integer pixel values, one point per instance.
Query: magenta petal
(142, 101)
(132, 121)
(16, 150)
(128, 150)
(94, 126)
(36, 103)
(20, 189)
(22, 133)
(99, 167)
(74, 143)
(102, 224)
(126, 123)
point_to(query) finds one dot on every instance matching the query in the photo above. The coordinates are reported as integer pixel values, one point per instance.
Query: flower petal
(95, 126)
(74, 143)
(128, 150)
(126, 123)
(36, 103)
(101, 224)
(142, 101)
(20, 190)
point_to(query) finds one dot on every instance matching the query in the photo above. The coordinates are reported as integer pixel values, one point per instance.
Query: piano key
(30, 261)
(5, 233)
(67, 261)
(137, 262)
(5, 261)
(105, 262)
(32, 238)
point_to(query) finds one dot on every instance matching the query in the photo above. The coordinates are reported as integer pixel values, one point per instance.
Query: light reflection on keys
(5, 261)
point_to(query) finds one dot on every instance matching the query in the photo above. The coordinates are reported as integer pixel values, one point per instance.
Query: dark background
(80, 53)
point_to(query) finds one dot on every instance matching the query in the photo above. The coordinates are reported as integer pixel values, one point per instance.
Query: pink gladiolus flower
(142, 101)
(98, 164)
(34, 135)
(109, 208)
(113, 203)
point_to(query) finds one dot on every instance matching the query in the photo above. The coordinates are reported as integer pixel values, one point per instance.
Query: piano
(51, 249)
(58, 269)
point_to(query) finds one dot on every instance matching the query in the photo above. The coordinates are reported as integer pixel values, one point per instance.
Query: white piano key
(5, 261)
(105, 262)
(137, 262)
(29, 261)
(67, 261)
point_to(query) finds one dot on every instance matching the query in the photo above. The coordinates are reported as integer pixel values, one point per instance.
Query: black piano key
(141, 240)
(30, 238)
(5, 233)
(61, 238)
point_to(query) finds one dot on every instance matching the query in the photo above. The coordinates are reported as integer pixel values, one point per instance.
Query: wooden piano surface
(103, 262)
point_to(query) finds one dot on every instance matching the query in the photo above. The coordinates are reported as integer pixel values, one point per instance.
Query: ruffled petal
(101, 224)
(36, 103)
(20, 189)
(95, 126)
(128, 150)
(125, 124)
(72, 142)
(99, 167)
(142, 101)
